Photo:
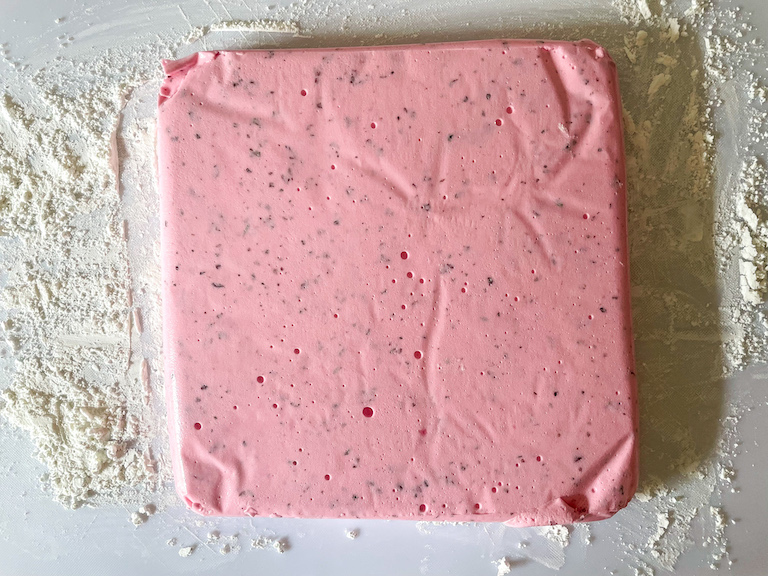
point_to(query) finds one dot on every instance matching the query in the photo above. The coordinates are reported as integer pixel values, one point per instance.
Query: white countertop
(39, 537)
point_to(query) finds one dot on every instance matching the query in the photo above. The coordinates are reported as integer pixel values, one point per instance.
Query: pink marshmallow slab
(395, 283)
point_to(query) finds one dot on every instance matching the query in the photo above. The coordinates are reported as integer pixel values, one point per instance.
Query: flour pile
(66, 305)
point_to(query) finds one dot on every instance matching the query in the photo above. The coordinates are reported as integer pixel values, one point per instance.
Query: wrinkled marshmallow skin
(395, 283)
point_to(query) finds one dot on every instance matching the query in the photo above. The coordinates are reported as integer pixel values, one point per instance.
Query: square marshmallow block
(395, 283)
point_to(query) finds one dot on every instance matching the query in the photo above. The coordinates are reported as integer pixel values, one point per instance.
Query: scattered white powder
(255, 26)
(718, 539)
(280, 545)
(671, 30)
(654, 542)
(271, 26)
(643, 569)
(633, 12)
(753, 241)
(585, 531)
(557, 534)
(658, 82)
(229, 544)
(66, 307)
(65, 304)
(224, 544)
(139, 518)
(503, 566)
(424, 527)
(186, 551)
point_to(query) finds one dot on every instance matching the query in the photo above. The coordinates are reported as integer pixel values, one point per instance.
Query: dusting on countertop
(187, 551)
(279, 545)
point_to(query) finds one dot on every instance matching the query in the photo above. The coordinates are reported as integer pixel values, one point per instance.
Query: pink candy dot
(586, 216)
(198, 426)
(373, 124)
(327, 476)
(417, 354)
(510, 110)
(499, 121)
(260, 379)
(303, 92)
(368, 412)
(410, 275)
(423, 508)
(404, 255)
(296, 351)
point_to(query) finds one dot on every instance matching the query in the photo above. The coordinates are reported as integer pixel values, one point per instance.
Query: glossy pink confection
(395, 283)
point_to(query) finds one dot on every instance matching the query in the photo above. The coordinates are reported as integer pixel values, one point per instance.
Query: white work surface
(39, 537)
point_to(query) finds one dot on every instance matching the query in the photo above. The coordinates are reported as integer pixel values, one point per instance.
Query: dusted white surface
(38, 536)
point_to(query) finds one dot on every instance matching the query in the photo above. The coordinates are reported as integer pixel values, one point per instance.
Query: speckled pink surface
(396, 283)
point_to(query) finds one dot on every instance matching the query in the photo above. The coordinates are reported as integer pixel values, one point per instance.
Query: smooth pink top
(396, 283)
